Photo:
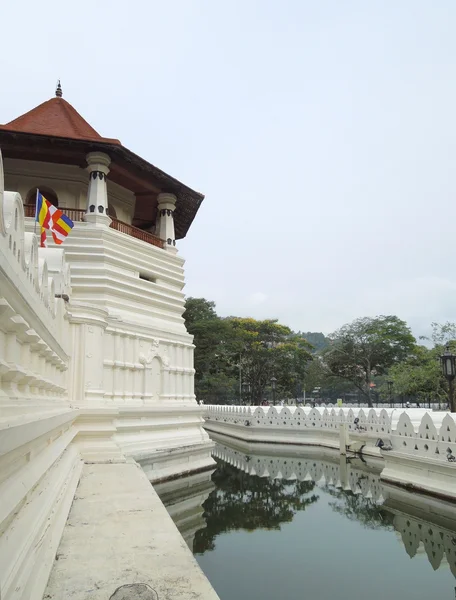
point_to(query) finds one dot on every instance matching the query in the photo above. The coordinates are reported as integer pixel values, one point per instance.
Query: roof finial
(58, 91)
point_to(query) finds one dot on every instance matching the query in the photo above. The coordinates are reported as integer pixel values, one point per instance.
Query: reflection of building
(183, 499)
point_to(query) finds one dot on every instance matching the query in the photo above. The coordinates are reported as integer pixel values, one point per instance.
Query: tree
(319, 375)
(216, 375)
(420, 374)
(270, 349)
(443, 334)
(368, 347)
(356, 507)
(197, 310)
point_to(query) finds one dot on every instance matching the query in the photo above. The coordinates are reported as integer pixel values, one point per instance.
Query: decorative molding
(99, 174)
(146, 359)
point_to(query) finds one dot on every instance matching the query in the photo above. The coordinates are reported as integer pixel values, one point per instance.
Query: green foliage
(368, 347)
(443, 334)
(197, 310)
(319, 375)
(317, 339)
(270, 349)
(362, 352)
(420, 374)
(215, 353)
(257, 350)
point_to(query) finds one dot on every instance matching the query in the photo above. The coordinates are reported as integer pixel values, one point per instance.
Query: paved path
(119, 534)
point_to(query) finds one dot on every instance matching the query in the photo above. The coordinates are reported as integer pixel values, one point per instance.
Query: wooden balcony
(77, 214)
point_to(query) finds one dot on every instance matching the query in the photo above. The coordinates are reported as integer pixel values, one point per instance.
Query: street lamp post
(273, 385)
(389, 383)
(447, 360)
(245, 389)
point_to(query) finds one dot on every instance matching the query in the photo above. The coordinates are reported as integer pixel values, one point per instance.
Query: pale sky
(322, 132)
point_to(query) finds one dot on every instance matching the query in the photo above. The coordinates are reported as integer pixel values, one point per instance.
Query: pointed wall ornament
(58, 91)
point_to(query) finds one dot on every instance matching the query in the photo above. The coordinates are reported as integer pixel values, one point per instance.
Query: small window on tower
(146, 277)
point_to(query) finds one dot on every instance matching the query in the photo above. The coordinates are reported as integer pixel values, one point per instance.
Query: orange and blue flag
(50, 217)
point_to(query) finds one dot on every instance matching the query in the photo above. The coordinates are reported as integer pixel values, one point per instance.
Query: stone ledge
(20, 430)
(116, 507)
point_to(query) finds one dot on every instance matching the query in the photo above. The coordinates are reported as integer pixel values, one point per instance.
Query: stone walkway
(120, 543)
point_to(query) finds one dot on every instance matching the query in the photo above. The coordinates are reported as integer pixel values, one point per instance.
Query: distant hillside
(317, 339)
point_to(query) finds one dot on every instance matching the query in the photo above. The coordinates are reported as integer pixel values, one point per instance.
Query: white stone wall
(34, 335)
(291, 424)
(419, 445)
(39, 465)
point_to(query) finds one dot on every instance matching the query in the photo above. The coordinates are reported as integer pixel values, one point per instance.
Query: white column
(97, 196)
(165, 213)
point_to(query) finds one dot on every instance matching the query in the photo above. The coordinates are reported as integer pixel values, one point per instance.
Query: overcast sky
(322, 132)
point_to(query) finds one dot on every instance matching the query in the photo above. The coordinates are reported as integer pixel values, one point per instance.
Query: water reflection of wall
(424, 525)
(184, 499)
(420, 537)
(354, 475)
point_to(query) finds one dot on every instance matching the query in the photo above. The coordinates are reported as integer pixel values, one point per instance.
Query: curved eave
(127, 168)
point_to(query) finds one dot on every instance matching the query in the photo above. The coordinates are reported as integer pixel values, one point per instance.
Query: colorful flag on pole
(50, 217)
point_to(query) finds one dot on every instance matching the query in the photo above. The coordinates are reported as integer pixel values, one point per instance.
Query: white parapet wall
(303, 426)
(418, 446)
(39, 464)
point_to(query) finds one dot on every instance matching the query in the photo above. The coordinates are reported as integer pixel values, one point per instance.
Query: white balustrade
(413, 431)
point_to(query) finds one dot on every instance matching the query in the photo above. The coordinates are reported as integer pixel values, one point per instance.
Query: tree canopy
(232, 351)
(367, 347)
(353, 360)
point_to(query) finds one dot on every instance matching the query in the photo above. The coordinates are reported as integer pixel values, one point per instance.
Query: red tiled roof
(56, 117)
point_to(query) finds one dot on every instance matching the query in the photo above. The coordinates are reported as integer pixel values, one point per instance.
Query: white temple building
(96, 365)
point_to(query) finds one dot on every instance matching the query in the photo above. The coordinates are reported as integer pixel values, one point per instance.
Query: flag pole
(36, 209)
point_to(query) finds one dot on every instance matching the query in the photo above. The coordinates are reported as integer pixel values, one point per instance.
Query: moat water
(312, 526)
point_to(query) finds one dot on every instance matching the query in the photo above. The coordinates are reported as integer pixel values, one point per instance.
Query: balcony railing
(77, 214)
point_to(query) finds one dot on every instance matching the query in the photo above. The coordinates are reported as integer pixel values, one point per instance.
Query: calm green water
(308, 526)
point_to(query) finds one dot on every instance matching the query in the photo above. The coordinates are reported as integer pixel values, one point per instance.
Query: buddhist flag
(43, 242)
(50, 217)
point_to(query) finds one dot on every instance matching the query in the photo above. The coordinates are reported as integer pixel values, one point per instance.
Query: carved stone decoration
(146, 359)
(99, 174)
